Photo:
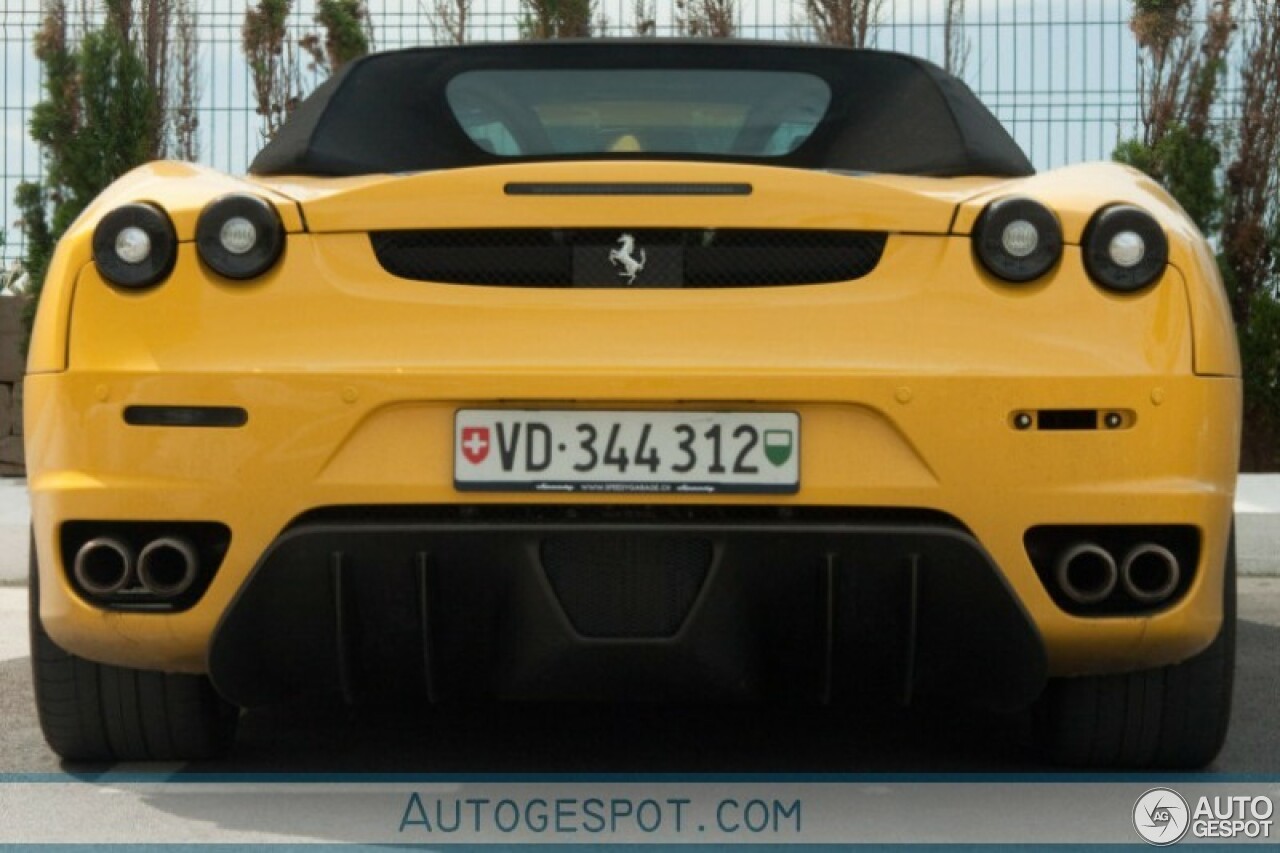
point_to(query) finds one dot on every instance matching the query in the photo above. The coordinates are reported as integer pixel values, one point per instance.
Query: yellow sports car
(635, 370)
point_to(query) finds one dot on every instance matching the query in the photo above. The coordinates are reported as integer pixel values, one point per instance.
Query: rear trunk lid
(629, 195)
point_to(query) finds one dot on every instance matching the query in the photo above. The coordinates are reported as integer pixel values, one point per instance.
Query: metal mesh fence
(1061, 74)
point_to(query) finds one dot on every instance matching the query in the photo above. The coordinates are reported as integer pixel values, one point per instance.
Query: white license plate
(626, 451)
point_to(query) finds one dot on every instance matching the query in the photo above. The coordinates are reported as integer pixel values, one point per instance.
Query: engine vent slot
(700, 258)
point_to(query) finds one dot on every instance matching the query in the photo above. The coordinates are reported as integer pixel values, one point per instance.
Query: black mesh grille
(599, 258)
(626, 586)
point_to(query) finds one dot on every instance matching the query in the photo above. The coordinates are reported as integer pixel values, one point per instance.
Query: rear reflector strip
(186, 416)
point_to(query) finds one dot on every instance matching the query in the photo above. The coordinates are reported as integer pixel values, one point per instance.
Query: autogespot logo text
(1160, 816)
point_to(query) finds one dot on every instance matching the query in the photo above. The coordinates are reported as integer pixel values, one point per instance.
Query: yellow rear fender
(181, 190)
(1076, 193)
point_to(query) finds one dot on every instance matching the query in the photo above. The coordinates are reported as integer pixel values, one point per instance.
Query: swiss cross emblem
(475, 444)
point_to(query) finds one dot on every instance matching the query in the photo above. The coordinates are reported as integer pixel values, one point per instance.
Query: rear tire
(1169, 717)
(95, 712)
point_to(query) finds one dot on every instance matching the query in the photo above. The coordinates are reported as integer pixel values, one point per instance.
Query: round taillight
(135, 246)
(239, 236)
(1017, 239)
(1125, 249)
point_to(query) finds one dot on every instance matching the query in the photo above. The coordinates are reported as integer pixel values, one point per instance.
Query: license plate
(626, 451)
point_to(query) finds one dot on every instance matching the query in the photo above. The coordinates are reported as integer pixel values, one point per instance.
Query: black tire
(95, 712)
(1172, 717)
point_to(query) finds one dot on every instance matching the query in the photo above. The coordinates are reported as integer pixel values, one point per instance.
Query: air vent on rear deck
(696, 258)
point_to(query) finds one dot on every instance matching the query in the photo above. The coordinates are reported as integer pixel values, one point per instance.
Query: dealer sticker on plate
(626, 451)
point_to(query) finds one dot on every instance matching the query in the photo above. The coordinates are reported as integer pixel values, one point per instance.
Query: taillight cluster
(1020, 240)
(135, 246)
(239, 237)
(1124, 248)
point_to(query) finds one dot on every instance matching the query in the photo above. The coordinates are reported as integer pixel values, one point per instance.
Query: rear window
(533, 113)
(700, 100)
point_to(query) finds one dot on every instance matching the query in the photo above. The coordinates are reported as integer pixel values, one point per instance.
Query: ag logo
(475, 444)
(1161, 816)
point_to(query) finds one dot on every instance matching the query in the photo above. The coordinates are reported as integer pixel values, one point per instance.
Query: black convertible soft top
(416, 109)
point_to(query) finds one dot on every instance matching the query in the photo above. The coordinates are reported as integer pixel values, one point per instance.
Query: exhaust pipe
(1150, 573)
(1086, 573)
(167, 566)
(103, 566)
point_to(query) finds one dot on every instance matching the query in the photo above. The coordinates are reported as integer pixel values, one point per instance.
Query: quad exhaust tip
(104, 566)
(1150, 573)
(1086, 573)
(167, 567)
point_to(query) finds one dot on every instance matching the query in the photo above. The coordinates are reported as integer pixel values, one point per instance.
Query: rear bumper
(326, 440)
(488, 605)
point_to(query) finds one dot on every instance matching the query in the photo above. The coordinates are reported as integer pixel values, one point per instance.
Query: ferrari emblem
(475, 444)
(631, 266)
(777, 445)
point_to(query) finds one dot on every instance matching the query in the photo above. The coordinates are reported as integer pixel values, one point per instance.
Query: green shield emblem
(778, 444)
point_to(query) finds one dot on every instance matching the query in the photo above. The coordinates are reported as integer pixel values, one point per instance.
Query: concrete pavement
(1257, 527)
(1258, 524)
(14, 642)
(15, 521)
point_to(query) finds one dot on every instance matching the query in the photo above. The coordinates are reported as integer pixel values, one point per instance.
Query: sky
(1060, 74)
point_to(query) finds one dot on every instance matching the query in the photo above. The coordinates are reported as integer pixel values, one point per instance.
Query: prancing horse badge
(631, 265)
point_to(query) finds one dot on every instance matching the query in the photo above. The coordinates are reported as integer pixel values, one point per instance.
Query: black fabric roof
(889, 112)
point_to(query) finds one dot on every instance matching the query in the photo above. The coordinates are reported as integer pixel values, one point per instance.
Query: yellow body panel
(905, 380)
(477, 198)
(182, 189)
